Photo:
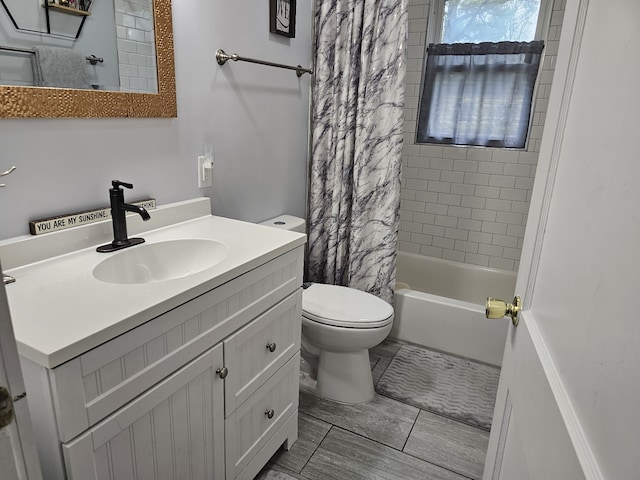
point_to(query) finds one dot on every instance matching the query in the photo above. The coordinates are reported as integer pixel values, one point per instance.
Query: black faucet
(119, 219)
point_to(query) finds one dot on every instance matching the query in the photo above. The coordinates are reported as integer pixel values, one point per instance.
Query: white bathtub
(443, 306)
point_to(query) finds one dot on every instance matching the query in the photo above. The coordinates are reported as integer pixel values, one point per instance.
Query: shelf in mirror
(69, 10)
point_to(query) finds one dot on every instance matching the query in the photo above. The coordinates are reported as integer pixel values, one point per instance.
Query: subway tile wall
(136, 46)
(468, 204)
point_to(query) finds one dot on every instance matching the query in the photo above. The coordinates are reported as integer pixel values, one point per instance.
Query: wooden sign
(62, 222)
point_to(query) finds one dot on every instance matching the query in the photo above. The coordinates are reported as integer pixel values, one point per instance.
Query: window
(476, 21)
(478, 87)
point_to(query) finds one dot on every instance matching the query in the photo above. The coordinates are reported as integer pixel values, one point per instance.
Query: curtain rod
(222, 58)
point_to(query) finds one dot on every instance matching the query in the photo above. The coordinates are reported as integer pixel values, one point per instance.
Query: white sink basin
(157, 262)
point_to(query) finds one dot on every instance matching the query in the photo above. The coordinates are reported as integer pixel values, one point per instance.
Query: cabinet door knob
(271, 347)
(269, 413)
(222, 372)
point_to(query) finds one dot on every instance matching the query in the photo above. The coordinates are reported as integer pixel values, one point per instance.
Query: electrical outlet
(205, 171)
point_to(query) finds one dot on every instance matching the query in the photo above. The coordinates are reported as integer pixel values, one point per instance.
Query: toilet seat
(344, 307)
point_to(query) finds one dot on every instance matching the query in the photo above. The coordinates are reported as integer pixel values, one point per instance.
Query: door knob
(496, 308)
(271, 347)
(222, 372)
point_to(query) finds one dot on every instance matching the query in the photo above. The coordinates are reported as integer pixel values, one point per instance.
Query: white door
(18, 457)
(569, 397)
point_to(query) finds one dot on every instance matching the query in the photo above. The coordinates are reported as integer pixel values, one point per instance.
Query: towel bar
(222, 58)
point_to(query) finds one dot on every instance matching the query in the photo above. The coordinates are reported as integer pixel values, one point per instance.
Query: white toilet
(339, 325)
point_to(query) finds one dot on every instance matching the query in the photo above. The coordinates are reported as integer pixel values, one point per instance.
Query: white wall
(468, 204)
(256, 118)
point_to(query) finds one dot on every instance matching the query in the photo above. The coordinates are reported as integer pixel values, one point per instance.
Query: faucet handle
(117, 184)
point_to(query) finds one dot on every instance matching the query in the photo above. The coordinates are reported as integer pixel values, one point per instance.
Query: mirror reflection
(80, 44)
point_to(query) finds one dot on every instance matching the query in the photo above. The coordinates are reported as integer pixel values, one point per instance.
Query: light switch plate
(205, 171)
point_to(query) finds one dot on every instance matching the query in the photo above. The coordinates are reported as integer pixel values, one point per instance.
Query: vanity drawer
(257, 351)
(97, 383)
(249, 428)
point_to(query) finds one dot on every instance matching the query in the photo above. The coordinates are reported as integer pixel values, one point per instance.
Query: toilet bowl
(342, 324)
(339, 325)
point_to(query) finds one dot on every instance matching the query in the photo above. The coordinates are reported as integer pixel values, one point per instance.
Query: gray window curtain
(478, 94)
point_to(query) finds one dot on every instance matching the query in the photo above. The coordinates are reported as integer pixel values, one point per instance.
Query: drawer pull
(269, 413)
(271, 347)
(222, 372)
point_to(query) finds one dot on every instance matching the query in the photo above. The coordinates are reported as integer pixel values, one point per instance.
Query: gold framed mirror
(45, 102)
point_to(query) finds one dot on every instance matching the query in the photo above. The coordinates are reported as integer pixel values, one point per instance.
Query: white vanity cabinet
(207, 390)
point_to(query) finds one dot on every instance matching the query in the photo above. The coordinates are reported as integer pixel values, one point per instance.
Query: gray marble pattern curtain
(357, 132)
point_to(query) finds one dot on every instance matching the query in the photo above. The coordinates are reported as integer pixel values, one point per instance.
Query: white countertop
(59, 310)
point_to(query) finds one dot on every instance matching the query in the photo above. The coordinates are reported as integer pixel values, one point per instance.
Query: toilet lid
(344, 307)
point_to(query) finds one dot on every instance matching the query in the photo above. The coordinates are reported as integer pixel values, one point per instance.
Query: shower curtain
(357, 131)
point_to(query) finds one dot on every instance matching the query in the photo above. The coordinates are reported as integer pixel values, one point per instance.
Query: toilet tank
(287, 222)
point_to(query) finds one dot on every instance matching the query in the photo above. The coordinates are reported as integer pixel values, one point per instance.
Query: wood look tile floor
(383, 439)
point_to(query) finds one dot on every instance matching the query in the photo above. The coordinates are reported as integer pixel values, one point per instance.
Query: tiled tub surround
(468, 204)
(381, 439)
